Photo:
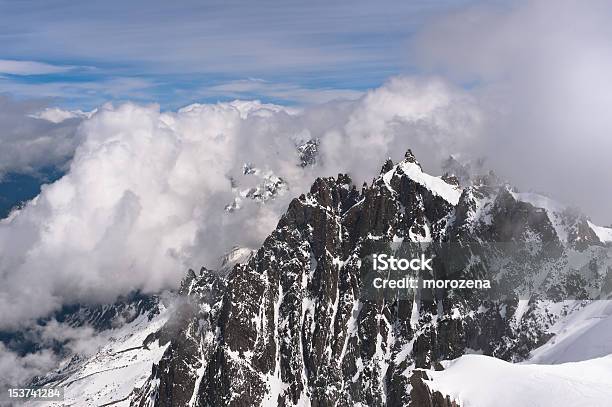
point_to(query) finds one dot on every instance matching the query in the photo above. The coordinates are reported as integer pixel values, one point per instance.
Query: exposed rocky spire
(387, 166)
(409, 157)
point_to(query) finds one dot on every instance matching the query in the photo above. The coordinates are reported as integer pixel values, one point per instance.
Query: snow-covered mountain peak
(571, 226)
(412, 169)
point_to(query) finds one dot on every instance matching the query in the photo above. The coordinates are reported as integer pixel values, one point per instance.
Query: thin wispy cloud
(325, 46)
(208, 36)
(82, 93)
(22, 68)
(279, 92)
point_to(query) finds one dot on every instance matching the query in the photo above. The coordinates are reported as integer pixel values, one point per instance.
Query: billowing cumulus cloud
(145, 195)
(57, 115)
(253, 88)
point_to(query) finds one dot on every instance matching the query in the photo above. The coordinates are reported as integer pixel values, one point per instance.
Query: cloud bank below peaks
(146, 192)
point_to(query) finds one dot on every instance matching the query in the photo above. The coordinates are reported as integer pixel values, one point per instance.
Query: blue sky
(542, 84)
(85, 53)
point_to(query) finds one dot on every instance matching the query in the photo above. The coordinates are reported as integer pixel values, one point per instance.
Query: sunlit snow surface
(604, 234)
(110, 375)
(483, 381)
(574, 368)
(438, 186)
(583, 334)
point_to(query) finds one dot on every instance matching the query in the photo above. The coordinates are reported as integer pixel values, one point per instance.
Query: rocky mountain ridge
(288, 324)
(288, 327)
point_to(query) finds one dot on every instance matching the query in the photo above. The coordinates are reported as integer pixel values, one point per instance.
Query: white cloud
(12, 67)
(54, 340)
(266, 38)
(145, 194)
(57, 115)
(81, 340)
(541, 72)
(17, 369)
(30, 144)
(286, 92)
(82, 92)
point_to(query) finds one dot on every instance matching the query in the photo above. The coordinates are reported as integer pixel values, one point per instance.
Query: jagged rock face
(102, 317)
(422, 396)
(262, 186)
(308, 152)
(288, 327)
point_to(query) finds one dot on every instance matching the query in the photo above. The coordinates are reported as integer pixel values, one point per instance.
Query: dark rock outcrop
(291, 325)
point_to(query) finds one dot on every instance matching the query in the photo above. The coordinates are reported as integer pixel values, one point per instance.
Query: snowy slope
(483, 381)
(450, 193)
(553, 209)
(604, 234)
(584, 334)
(557, 213)
(111, 374)
(539, 201)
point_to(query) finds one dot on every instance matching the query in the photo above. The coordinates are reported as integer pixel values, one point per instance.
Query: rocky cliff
(290, 326)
